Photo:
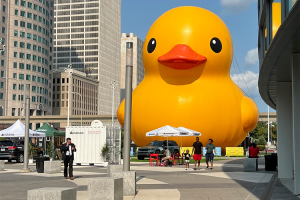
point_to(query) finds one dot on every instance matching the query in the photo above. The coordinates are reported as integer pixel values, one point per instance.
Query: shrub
(261, 141)
(261, 147)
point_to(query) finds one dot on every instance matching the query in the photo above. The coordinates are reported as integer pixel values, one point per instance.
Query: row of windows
(32, 47)
(28, 78)
(34, 17)
(33, 67)
(35, 7)
(34, 27)
(76, 12)
(29, 57)
(36, 89)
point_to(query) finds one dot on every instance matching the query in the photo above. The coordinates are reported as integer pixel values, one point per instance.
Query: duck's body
(199, 95)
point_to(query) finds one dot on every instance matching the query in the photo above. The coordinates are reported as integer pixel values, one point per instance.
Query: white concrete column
(284, 130)
(296, 119)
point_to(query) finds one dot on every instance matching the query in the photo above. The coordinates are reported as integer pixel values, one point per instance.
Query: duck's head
(187, 43)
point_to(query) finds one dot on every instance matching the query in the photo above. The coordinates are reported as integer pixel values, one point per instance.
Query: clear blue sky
(240, 16)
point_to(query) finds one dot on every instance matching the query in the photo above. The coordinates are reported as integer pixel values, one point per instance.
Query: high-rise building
(138, 66)
(87, 35)
(83, 95)
(26, 29)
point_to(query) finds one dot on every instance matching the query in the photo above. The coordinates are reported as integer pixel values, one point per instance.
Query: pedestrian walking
(210, 147)
(68, 150)
(187, 156)
(197, 152)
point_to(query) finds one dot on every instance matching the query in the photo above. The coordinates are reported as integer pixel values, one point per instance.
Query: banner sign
(234, 151)
(218, 151)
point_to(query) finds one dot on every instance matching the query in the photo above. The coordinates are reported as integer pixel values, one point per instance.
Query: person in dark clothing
(68, 150)
(187, 156)
(197, 151)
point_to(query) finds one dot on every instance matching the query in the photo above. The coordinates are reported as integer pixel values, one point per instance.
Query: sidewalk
(226, 181)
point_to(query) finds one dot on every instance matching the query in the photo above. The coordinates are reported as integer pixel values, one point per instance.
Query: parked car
(14, 150)
(157, 147)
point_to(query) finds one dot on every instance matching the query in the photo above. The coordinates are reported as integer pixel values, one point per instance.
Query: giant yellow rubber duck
(187, 56)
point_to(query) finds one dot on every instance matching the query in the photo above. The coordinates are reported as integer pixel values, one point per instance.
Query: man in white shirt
(68, 150)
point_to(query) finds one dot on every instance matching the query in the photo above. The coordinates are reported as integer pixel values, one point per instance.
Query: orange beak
(182, 56)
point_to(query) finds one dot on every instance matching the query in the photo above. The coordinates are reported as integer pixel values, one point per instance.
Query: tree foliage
(261, 130)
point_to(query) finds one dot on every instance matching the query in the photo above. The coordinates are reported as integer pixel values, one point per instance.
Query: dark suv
(157, 147)
(14, 150)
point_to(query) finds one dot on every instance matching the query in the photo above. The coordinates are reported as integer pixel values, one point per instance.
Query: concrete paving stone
(158, 194)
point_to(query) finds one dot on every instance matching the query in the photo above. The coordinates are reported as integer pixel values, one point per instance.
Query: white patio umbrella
(165, 131)
(18, 130)
(187, 132)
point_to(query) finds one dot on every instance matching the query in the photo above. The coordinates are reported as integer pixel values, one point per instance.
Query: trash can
(271, 162)
(40, 164)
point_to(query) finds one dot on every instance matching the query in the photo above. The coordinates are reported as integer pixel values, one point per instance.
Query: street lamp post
(80, 103)
(113, 85)
(68, 70)
(128, 104)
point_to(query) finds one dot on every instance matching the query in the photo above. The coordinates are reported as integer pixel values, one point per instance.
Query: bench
(250, 164)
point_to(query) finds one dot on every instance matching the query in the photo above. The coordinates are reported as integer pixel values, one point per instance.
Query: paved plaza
(227, 181)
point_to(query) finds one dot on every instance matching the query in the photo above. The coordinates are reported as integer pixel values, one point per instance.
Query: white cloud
(251, 80)
(236, 6)
(251, 57)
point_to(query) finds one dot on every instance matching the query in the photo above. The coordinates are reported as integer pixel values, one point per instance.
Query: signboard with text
(218, 151)
(234, 151)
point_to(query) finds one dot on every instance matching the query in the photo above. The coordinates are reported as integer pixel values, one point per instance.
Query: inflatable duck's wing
(121, 113)
(249, 114)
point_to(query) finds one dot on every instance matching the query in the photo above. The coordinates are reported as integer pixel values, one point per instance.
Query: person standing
(197, 151)
(68, 150)
(210, 147)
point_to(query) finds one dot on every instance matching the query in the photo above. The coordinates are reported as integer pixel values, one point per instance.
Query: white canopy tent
(18, 130)
(165, 131)
(169, 131)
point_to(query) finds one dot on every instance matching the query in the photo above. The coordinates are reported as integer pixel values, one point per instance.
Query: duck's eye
(151, 45)
(216, 45)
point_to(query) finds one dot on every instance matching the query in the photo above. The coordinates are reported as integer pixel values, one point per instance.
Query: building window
(3, 9)
(34, 28)
(23, 3)
(15, 75)
(16, 22)
(15, 65)
(15, 54)
(34, 57)
(1, 95)
(22, 34)
(33, 78)
(33, 68)
(17, 2)
(13, 110)
(28, 46)
(28, 78)
(21, 65)
(57, 104)
(3, 19)
(16, 12)
(39, 79)
(28, 35)
(28, 67)
(14, 97)
(22, 55)
(2, 63)
(2, 85)
(28, 26)
(23, 13)
(16, 33)
(14, 86)
(22, 45)
(21, 76)
(15, 44)
(29, 5)
(2, 74)
(22, 24)
(3, 30)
